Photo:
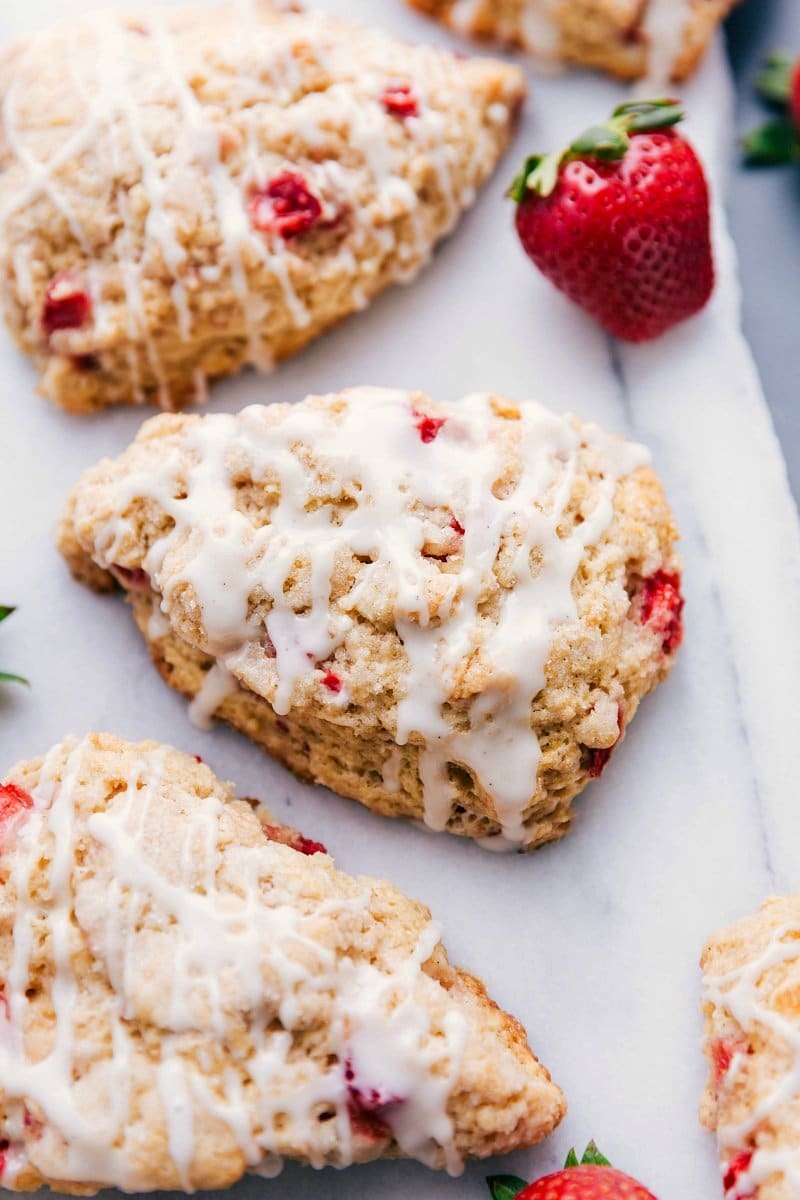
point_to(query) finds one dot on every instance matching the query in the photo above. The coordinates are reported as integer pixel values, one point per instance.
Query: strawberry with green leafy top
(777, 141)
(6, 676)
(593, 1178)
(619, 221)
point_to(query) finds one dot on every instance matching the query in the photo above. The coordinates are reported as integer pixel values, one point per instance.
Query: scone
(449, 612)
(186, 191)
(664, 39)
(751, 1003)
(191, 992)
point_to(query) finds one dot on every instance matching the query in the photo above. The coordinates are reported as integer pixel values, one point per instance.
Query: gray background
(764, 209)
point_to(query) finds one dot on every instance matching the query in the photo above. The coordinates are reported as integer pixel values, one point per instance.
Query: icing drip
(663, 27)
(219, 939)
(428, 517)
(220, 151)
(740, 992)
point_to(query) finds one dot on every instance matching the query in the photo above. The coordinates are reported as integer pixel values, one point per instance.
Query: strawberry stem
(772, 143)
(606, 142)
(774, 81)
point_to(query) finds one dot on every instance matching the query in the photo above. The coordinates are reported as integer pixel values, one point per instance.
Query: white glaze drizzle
(371, 436)
(112, 83)
(225, 942)
(739, 992)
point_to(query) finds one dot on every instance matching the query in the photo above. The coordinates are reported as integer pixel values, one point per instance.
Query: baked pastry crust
(186, 999)
(751, 1005)
(447, 612)
(184, 191)
(663, 39)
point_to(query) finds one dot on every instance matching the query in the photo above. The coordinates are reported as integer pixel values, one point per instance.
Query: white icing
(371, 436)
(238, 952)
(740, 993)
(115, 73)
(663, 27)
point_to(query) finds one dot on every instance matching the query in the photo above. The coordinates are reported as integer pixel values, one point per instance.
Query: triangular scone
(751, 1003)
(449, 612)
(665, 39)
(185, 998)
(186, 191)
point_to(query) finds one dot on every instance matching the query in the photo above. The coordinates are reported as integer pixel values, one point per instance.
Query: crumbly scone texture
(610, 35)
(187, 998)
(184, 191)
(332, 709)
(751, 1006)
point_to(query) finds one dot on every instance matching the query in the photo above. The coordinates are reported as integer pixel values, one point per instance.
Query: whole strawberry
(619, 221)
(593, 1178)
(777, 141)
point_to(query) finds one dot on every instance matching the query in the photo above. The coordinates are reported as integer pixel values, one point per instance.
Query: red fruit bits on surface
(15, 804)
(332, 682)
(457, 526)
(620, 221)
(735, 1169)
(285, 206)
(67, 304)
(598, 760)
(399, 100)
(723, 1052)
(662, 606)
(295, 841)
(428, 427)
(367, 1106)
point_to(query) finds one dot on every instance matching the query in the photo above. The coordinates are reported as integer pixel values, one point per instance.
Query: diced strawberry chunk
(133, 578)
(428, 426)
(3, 1147)
(332, 682)
(457, 526)
(598, 760)
(286, 206)
(400, 101)
(733, 1172)
(67, 304)
(302, 845)
(723, 1052)
(662, 606)
(367, 1106)
(14, 804)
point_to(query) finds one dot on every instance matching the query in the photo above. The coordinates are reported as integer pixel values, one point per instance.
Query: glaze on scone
(449, 612)
(751, 1004)
(186, 191)
(191, 992)
(663, 39)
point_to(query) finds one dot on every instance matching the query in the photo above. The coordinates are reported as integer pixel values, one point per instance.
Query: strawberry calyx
(7, 676)
(778, 140)
(508, 1187)
(605, 142)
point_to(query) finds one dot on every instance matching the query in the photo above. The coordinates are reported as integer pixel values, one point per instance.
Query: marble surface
(593, 942)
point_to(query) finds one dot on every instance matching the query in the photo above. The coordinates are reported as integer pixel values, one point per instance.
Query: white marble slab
(593, 942)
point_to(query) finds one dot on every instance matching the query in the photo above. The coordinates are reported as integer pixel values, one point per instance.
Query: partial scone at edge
(157, 864)
(628, 38)
(751, 1101)
(340, 724)
(222, 187)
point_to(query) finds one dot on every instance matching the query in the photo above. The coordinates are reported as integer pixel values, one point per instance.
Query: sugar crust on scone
(751, 1005)
(663, 39)
(449, 612)
(187, 998)
(184, 191)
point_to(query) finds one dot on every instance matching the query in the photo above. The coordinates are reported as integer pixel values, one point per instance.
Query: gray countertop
(764, 210)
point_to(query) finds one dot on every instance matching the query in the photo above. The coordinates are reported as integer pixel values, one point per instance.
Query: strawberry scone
(449, 612)
(184, 191)
(751, 1003)
(663, 39)
(191, 992)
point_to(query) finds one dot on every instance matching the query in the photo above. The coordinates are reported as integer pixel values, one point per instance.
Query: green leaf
(593, 1158)
(572, 1159)
(505, 1187)
(7, 677)
(640, 116)
(6, 610)
(600, 141)
(539, 174)
(774, 82)
(775, 142)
